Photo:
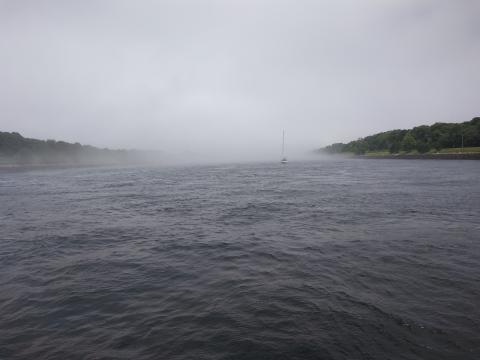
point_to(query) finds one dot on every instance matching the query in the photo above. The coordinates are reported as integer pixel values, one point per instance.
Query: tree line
(421, 139)
(14, 148)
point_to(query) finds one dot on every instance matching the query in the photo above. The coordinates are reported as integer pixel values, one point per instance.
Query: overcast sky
(227, 76)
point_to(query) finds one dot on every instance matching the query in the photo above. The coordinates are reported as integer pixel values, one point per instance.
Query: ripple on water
(328, 260)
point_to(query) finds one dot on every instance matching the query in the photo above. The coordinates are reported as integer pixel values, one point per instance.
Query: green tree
(422, 147)
(361, 147)
(408, 143)
(394, 148)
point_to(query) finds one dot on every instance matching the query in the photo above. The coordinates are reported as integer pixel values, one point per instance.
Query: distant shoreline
(430, 156)
(451, 138)
(27, 167)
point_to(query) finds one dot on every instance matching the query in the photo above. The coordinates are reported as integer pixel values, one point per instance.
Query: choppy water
(354, 259)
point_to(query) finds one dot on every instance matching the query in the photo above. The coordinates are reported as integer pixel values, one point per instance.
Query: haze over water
(219, 80)
(345, 259)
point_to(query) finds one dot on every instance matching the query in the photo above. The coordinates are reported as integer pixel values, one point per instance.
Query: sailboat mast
(284, 159)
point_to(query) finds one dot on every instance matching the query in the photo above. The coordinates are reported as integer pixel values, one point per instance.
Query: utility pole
(462, 143)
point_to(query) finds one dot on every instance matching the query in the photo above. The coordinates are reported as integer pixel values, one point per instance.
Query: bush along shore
(437, 141)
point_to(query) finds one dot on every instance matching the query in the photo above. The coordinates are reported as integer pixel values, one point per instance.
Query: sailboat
(284, 158)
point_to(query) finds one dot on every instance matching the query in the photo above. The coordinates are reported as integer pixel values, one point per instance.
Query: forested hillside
(14, 148)
(420, 139)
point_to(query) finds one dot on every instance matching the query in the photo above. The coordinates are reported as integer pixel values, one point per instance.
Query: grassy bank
(465, 150)
(469, 150)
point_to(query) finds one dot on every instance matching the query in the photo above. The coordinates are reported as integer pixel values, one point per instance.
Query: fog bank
(219, 80)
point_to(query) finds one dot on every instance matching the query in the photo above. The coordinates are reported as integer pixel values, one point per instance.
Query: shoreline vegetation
(18, 151)
(427, 156)
(446, 141)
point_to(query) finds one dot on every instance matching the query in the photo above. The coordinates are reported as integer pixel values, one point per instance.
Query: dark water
(354, 259)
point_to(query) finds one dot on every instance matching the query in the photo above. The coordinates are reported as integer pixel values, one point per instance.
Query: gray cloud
(222, 78)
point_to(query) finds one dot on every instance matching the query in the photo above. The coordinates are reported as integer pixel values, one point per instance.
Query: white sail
(284, 158)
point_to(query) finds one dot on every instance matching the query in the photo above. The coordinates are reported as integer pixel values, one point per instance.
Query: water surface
(352, 259)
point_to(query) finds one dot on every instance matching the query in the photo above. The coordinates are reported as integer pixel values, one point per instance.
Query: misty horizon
(222, 79)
